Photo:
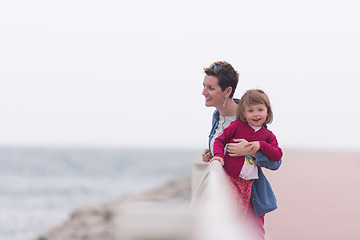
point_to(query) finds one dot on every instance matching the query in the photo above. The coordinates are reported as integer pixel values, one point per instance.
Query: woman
(219, 86)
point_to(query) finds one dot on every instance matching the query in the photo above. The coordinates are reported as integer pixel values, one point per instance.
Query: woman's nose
(204, 92)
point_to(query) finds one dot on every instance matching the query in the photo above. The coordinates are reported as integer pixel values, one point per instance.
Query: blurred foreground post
(215, 215)
(158, 221)
(209, 216)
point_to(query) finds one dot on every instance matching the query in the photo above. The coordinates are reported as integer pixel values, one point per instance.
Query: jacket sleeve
(218, 150)
(264, 161)
(215, 120)
(271, 148)
(221, 141)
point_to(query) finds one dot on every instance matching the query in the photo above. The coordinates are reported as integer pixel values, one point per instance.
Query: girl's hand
(218, 159)
(206, 155)
(241, 147)
(254, 147)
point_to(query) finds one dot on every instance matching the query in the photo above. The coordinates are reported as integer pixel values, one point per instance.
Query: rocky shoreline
(100, 222)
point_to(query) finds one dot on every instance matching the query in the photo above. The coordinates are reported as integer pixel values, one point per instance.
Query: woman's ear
(228, 91)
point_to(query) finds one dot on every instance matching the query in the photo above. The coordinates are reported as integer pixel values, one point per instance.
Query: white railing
(215, 214)
(211, 215)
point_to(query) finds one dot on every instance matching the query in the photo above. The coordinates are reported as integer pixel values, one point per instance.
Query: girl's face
(214, 96)
(256, 114)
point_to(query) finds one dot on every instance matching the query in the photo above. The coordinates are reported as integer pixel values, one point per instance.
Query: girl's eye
(211, 88)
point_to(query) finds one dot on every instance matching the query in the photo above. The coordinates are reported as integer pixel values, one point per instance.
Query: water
(40, 187)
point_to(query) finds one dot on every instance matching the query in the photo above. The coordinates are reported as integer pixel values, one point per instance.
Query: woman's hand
(221, 160)
(254, 147)
(241, 147)
(206, 155)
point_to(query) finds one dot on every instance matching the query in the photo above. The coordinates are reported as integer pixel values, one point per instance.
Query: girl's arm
(221, 160)
(219, 146)
(264, 161)
(271, 148)
(221, 141)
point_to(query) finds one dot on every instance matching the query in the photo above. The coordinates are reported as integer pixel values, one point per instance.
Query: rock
(99, 222)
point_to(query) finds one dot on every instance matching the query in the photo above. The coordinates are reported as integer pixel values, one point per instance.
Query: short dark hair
(225, 74)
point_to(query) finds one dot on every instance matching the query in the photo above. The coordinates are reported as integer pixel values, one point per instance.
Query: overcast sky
(130, 73)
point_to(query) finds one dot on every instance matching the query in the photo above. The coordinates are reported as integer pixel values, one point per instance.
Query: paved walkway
(318, 196)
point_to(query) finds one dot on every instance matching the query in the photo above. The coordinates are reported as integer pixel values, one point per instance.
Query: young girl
(253, 113)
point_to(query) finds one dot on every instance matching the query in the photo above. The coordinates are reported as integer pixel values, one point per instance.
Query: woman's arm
(264, 161)
(242, 148)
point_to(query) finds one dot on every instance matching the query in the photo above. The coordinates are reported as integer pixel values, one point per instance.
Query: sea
(41, 186)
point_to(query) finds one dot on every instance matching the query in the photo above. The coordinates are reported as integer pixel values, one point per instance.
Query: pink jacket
(237, 130)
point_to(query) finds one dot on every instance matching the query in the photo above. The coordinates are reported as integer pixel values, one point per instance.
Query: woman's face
(214, 96)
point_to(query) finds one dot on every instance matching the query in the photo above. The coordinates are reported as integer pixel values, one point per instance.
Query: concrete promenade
(318, 196)
(317, 192)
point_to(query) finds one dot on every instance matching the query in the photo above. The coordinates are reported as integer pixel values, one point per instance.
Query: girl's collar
(255, 128)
